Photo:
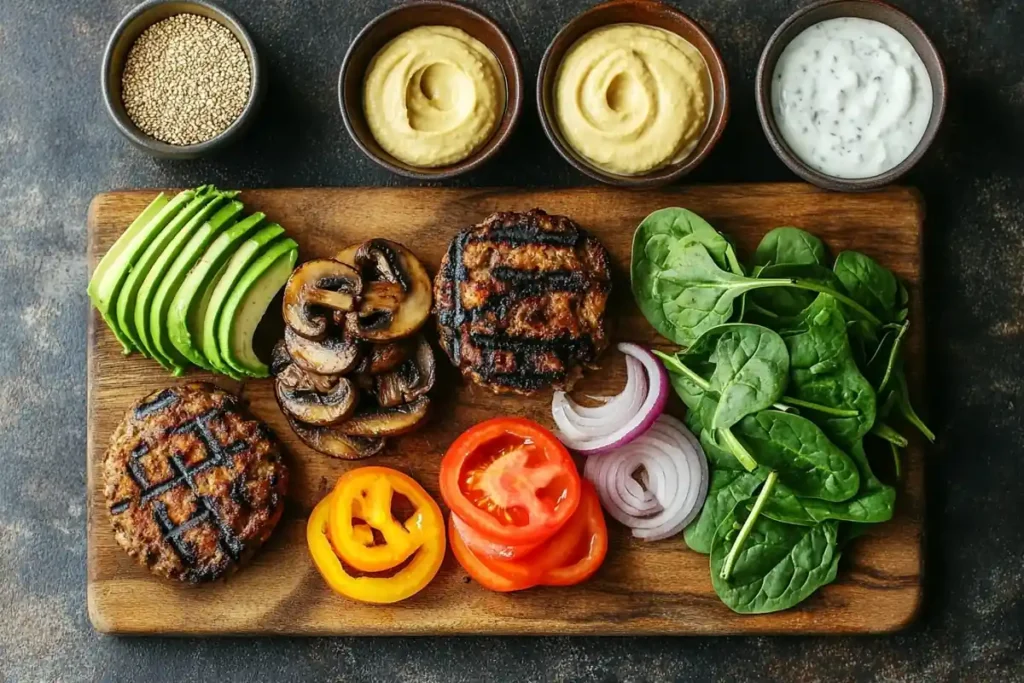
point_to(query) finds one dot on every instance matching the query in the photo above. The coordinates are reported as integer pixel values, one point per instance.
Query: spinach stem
(908, 410)
(897, 463)
(738, 450)
(893, 356)
(748, 525)
(813, 286)
(884, 431)
(817, 407)
(679, 368)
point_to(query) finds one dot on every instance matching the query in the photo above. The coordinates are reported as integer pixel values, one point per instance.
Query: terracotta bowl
(832, 9)
(651, 13)
(121, 40)
(396, 21)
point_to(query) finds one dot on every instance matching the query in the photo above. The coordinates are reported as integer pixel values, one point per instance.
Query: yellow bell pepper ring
(424, 533)
(364, 496)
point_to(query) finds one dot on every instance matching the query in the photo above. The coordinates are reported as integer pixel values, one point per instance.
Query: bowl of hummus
(430, 89)
(633, 93)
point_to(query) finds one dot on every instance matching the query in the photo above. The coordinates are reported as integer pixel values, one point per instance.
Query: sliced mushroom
(310, 404)
(317, 285)
(280, 359)
(413, 378)
(335, 354)
(385, 357)
(383, 261)
(332, 442)
(387, 421)
(283, 365)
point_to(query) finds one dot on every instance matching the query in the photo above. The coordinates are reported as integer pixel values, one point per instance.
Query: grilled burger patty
(520, 301)
(194, 485)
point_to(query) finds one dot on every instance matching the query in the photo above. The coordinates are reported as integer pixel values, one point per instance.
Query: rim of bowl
(884, 13)
(115, 105)
(709, 138)
(513, 106)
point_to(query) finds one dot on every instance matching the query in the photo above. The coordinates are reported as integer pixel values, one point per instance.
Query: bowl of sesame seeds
(181, 80)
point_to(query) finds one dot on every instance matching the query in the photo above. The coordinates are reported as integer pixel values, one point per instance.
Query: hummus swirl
(433, 96)
(632, 98)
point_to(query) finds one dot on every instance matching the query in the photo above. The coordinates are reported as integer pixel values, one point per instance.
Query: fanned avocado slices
(175, 274)
(228, 278)
(249, 300)
(188, 307)
(190, 279)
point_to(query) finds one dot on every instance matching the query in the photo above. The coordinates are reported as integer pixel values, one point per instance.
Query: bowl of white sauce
(851, 93)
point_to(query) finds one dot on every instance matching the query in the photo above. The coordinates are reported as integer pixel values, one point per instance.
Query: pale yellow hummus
(433, 96)
(632, 98)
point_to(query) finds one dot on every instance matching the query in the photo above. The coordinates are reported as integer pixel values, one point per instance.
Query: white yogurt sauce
(851, 97)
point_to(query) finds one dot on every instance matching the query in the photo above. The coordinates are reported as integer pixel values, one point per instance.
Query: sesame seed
(186, 80)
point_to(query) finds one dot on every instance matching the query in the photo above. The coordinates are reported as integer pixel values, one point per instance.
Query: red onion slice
(673, 470)
(623, 418)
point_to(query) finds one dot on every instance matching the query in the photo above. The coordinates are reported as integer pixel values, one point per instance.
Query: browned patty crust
(520, 301)
(194, 485)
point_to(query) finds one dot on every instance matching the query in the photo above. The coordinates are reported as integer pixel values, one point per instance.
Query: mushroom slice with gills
(335, 354)
(282, 365)
(315, 399)
(280, 359)
(380, 358)
(378, 421)
(382, 261)
(316, 286)
(413, 378)
(330, 441)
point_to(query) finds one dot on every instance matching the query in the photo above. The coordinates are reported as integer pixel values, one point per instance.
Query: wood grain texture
(658, 588)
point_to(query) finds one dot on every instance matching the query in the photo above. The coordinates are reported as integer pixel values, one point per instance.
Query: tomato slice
(484, 547)
(591, 545)
(511, 481)
(572, 555)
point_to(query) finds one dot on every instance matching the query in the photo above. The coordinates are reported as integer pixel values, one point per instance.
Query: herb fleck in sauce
(851, 97)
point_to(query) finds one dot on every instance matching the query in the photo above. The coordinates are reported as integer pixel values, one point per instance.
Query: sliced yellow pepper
(365, 494)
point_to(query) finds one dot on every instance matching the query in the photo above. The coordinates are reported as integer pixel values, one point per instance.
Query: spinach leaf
(790, 245)
(807, 462)
(869, 284)
(655, 238)
(780, 564)
(824, 372)
(694, 295)
(750, 369)
(727, 488)
(873, 503)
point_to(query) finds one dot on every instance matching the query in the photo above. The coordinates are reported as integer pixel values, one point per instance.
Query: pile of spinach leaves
(787, 367)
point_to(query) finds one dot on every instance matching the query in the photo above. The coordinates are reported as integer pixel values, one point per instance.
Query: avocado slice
(248, 302)
(137, 293)
(112, 271)
(174, 275)
(112, 255)
(188, 307)
(232, 271)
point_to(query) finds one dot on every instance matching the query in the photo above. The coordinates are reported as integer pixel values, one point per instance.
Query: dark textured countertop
(58, 149)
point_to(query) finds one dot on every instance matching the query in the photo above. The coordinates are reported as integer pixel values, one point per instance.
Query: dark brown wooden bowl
(391, 24)
(863, 9)
(651, 13)
(120, 43)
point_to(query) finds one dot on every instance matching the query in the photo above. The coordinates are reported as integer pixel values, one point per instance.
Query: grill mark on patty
(162, 401)
(521, 230)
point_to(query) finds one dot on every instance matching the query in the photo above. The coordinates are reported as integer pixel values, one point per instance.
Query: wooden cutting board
(656, 588)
